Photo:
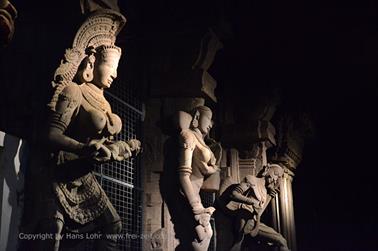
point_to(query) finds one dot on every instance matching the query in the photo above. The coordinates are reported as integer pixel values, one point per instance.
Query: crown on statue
(99, 30)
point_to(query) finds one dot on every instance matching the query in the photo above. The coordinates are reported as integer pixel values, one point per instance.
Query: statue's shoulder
(187, 139)
(72, 91)
(252, 180)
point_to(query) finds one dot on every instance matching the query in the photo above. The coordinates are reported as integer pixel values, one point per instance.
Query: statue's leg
(110, 225)
(53, 227)
(238, 234)
(269, 234)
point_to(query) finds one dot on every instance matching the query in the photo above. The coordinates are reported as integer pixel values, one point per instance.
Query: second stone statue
(197, 164)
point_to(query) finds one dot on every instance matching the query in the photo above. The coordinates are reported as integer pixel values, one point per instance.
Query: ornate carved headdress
(99, 29)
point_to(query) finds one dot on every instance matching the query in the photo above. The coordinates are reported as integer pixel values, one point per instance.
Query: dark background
(320, 54)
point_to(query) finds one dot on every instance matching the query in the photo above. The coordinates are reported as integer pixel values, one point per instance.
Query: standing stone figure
(245, 202)
(80, 134)
(197, 164)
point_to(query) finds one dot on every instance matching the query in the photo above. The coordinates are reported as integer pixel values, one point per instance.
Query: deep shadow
(178, 206)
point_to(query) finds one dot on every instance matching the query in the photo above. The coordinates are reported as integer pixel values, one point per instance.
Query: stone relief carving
(80, 134)
(196, 168)
(8, 14)
(244, 203)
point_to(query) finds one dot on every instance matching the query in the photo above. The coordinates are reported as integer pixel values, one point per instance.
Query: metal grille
(122, 180)
(207, 199)
(125, 172)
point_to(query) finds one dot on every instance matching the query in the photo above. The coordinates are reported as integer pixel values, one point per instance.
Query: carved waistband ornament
(100, 28)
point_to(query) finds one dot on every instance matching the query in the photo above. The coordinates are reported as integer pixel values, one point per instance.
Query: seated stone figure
(80, 134)
(245, 202)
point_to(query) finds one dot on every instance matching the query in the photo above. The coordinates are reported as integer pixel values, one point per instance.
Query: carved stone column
(293, 129)
(287, 209)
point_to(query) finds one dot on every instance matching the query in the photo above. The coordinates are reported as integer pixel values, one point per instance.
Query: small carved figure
(196, 164)
(245, 202)
(81, 132)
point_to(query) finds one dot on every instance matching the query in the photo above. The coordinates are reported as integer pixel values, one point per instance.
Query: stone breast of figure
(95, 115)
(203, 158)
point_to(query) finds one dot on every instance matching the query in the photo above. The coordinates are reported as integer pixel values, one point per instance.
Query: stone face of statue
(105, 69)
(205, 123)
(273, 176)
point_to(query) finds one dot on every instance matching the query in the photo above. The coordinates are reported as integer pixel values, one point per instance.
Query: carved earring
(195, 120)
(195, 123)
(88, 75)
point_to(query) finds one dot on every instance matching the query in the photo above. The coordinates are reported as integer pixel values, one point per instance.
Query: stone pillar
(287, 209)
(293, 129)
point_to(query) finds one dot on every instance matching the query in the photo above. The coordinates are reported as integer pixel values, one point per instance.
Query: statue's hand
(135, 146)
(101, 153)
(197, 208)
(210, 210)
(203, 219)
(272, 191)
(217, 169)
(255, 203)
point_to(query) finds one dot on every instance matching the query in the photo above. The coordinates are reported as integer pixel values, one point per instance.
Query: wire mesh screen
(122, 180)
(207, 199)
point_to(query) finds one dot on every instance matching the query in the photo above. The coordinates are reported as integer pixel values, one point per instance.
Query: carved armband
(187, 145)
(68, 101)
(56, 122)
(187, 140)
(185, 169)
